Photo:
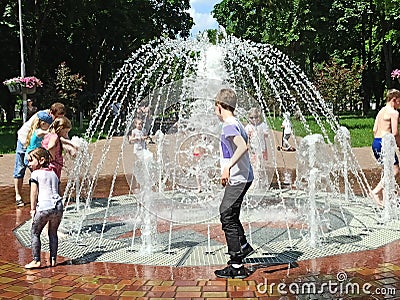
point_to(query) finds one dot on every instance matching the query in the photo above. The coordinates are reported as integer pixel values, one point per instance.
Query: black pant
(229, 215)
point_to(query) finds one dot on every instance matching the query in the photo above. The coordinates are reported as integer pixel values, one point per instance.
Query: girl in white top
(257, 130)
(287, 133)
(46, 205)
(137, 137)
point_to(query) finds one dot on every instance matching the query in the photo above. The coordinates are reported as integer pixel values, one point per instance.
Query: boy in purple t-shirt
(237, 176)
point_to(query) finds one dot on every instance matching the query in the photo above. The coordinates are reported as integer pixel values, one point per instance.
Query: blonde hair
(392, 93)
(254, 111)
(59, 124)
(35, 125)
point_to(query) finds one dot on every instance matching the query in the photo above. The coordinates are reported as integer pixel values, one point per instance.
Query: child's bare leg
(377, 194)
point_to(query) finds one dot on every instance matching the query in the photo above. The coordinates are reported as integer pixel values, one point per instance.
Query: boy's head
(57, 109)
(227, 99)
(392, 93)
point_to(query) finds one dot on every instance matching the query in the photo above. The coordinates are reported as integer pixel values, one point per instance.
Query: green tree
(92, 37)
(339, 85)
(314, 31)
(69, 87)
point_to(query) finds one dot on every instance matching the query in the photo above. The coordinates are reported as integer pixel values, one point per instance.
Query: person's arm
(240, 150)
(394, 122)
(375, 128)
(34, 197)
(66, 141)
(265, 150)
(41, 132)
(69, 146)
(51, 147)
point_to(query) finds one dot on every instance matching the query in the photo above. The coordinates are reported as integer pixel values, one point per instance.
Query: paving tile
(59, 288)
(110, 286)
(187, 294)
(214, 288)
(164, 288)
(15, 288)
(188, 289)
(80, 297)
(132, 294)
(6, 279)
(102, 292)
(31, 297)
(217, 282)
(241, 294)
(168, 295)
(9, 294)
(214, 294)
(58, 295)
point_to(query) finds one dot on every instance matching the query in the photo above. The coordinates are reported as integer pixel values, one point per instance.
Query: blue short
(20, 166)
(377, 149)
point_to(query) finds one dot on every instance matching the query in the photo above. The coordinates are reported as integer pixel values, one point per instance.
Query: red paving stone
(100, 280)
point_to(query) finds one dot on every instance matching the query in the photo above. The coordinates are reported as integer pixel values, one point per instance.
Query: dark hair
(40, 152)
(57, 109)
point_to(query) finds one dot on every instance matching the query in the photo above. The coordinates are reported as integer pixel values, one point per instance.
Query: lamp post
(21, 39)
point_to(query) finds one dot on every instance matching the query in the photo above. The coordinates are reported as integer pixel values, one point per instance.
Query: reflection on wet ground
(349, 276)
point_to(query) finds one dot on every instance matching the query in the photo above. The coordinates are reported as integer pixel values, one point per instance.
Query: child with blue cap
(38, 130)
(57, 109)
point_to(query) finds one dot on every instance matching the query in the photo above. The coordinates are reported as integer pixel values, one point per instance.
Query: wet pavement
(372, 274)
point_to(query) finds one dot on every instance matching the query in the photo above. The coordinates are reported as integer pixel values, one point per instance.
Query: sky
(201, 13)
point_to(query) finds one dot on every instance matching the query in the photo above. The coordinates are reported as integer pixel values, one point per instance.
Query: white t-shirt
(288, 126)
(242, 171)
(47, 182)
(257, 133)
(139, 144)
(23, 131)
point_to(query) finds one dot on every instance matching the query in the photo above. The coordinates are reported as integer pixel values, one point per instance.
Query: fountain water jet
(171, 85)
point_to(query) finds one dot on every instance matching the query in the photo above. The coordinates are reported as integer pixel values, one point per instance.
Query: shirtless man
(387, 121)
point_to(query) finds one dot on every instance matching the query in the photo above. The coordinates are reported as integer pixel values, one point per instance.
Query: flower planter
(15, 89)
(18, 85)
(28, 91)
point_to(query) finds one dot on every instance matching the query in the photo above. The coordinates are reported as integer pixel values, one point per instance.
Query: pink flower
(395, 74)
(28, 82)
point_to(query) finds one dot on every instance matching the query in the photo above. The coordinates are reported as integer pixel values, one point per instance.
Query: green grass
(8, 138)
(360, 128)
(360, 131)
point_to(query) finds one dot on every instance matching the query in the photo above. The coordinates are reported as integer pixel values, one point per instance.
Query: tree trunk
(388, 51)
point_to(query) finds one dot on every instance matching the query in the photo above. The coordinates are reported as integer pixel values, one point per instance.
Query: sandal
(19, 202)
(33, 265)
